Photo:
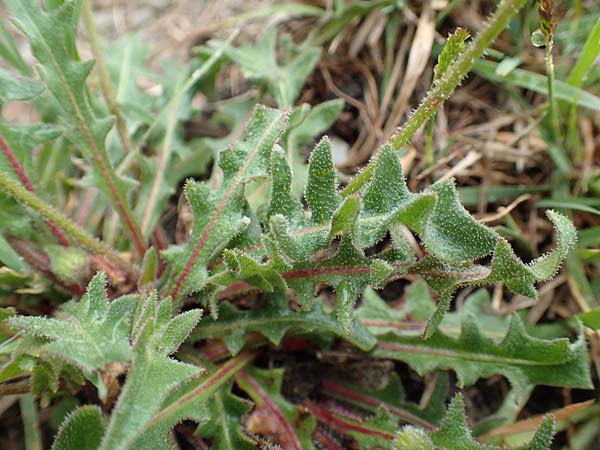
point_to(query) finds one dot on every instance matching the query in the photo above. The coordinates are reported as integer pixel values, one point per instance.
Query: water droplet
(538, 39)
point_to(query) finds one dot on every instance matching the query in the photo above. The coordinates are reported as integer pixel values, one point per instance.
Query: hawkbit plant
(138, 342)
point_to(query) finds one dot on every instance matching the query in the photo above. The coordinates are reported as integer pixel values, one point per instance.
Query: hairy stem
(48, 212)
(548, 26)
(443, 88)
(105, 84)
(20, 171)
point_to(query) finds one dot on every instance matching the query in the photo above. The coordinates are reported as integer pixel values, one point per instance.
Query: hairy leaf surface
(89, 333)
(326, 243)
(455, 434)
(226, 411)
(186, 402)
(81, 430)
(274, 319)
(153, 374)
(51, 35)
(218, 214)
(521, 358)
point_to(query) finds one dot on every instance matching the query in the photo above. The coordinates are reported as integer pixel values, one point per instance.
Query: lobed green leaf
(523, 359)
(258, 62)
(455, 433)
(301, 249)
(13, 88)
(218, 214)
(51, 35)
(81, 430)
(224, 425)
(186, 402)
(153, 374)
(274, 320)
(89, 333)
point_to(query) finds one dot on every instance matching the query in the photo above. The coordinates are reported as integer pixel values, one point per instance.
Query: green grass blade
(576, 204)
(537, 83)
(590, 52)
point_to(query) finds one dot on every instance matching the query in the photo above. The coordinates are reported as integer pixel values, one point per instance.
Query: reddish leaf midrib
(213, 220)
(273, 407)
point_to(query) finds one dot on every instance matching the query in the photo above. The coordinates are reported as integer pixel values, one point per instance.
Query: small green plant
(154, 327)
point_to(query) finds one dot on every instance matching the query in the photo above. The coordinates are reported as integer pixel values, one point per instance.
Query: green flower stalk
(445, 85)
(12, 187)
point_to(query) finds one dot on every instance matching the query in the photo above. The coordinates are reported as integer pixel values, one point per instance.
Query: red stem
(326, 441)
(342, 425)
(344, 392)
(160, 243)
(269, 403)
(20, 171)
(341, 270)
(242, 287)
(217, 350)
(119, 202)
